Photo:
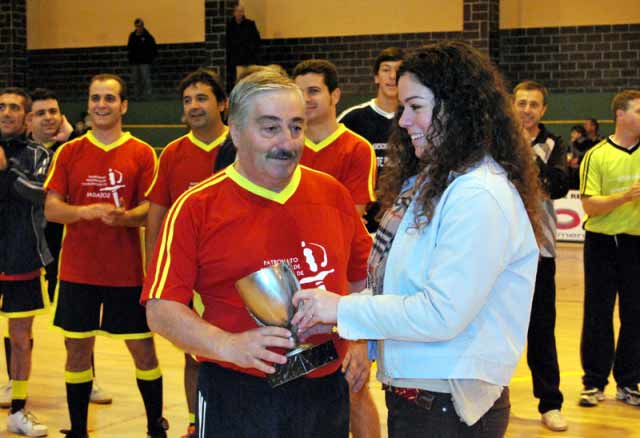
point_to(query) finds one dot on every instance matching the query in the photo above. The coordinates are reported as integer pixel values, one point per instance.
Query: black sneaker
(159, 429)
(69, 434)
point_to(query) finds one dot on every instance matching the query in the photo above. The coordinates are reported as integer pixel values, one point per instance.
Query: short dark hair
(595, 123)
(138, 22)
(621, 101)
(204, 76)
(18, 92)
(107, 76)
(319, 66)
(42, 94)
(579, 129)
(532, 85)
(388, 54)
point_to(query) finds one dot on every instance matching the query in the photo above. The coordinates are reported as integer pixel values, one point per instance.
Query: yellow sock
(78, 376)
(19, 389)
(153, 374)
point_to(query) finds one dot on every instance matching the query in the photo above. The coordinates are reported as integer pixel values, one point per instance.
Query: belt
(423, 398)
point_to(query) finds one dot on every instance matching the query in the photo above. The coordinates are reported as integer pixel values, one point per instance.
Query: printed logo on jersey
(312, 268)
(105, 186)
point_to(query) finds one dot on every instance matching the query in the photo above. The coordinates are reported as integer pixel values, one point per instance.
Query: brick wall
(353, 55)
(574, 59)
(68, 71)
(566, 59)
(13, 42)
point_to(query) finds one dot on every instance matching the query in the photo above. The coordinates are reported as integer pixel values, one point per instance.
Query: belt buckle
(425, 399)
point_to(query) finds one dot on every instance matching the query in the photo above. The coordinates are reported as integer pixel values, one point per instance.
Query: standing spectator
(593, 130)
(142, 51)
(530, 100)
(579, 146)
(610, 189)
(243, 44)
(373, 119)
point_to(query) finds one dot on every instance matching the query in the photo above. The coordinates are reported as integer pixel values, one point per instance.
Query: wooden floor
(125, 417)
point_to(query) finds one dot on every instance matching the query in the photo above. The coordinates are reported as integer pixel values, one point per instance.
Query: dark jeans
(408, 420)
(141, 76)
(542, 356)
(611, 267)
(233, 404)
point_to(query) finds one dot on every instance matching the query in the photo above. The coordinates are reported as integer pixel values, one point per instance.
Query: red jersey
(85, 171)
(227, 227)
(183, 163)
(347, 157)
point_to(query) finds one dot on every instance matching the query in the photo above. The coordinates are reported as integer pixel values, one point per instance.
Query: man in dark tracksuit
(23, 247)
(550, 155)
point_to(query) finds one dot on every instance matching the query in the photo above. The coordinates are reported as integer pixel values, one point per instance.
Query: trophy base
(301, 361)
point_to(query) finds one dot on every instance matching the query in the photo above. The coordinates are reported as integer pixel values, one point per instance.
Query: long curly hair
(472, 116)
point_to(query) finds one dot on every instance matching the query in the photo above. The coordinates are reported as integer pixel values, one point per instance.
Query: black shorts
(234, 404)
(24, 298)
(84, 310)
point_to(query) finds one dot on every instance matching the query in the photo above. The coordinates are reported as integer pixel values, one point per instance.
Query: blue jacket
(457, 293)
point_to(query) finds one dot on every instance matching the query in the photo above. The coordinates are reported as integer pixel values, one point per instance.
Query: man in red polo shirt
(183, 163)
(96, 188)
(259, 211)
(330, 146)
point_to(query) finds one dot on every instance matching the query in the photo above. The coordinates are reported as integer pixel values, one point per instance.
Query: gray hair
(263, 81)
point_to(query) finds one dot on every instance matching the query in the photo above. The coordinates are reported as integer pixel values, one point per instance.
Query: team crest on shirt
(311, 271)
(105, 186)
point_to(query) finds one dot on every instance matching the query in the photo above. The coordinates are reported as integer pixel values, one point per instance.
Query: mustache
(281, 154)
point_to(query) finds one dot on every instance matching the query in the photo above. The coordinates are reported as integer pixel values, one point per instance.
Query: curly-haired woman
(452, 271)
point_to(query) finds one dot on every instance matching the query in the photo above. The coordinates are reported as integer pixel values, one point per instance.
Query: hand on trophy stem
(250, 349)
(320, 306)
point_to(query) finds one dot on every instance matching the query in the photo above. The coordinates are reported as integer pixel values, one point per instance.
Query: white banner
(570, 216)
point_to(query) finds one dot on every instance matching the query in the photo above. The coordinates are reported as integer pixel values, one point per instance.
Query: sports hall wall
(583, 50)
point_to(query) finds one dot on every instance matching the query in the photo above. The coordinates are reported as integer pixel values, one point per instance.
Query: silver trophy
(267, 293)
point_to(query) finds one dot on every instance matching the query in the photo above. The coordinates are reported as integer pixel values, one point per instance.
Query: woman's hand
(318, 306)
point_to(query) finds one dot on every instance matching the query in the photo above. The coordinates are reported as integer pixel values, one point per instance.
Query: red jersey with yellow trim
(85, 171)
(227, 227)
(183, 163)
(347, 157)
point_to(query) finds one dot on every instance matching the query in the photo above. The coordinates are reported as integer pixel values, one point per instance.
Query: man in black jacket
(141, 51)
(23, 247)
(243, 44)
(530, 100)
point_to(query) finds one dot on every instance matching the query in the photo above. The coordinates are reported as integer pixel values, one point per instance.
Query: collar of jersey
(208, 147)
(279, 197)
(376, 108)
(316, 147)
(107, 147)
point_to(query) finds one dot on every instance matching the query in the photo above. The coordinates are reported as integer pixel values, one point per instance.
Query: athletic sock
(78, 393)
(150, 386)
(18, 395)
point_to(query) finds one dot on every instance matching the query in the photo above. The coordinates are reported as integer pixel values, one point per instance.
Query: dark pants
(611, 267)
(233, 404)
(407, 419)
(141, 76)
(542, 356)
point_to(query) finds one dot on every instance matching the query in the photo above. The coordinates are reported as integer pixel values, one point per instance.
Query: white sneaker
(630, 396)
(591, 397)
(555, 421)
(99, 396)
(6, 391)
(25, 423)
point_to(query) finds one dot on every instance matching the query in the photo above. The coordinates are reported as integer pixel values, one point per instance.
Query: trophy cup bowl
(267, 294)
